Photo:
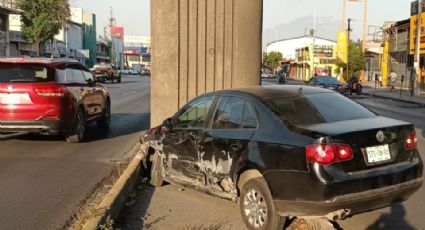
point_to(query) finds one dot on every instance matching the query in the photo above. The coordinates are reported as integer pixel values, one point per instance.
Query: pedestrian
(393, 79)
(377, 83)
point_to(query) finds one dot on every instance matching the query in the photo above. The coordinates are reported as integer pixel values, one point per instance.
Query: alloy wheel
(255, 208)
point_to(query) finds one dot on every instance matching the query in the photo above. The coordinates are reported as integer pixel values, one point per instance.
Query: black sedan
(327, 83)
(287, 151)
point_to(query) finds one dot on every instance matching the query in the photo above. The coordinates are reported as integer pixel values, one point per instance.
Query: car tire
(256, 198)
(119, 79)
(77, 134)
(105, 121)
(156, 170)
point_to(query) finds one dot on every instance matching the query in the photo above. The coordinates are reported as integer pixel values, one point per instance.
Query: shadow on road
(395, 220)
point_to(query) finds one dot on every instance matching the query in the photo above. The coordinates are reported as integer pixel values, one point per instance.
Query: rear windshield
(22, 73)
(327, 80)
(317, 108)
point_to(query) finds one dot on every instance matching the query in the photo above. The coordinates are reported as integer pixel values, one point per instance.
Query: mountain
(326, 27)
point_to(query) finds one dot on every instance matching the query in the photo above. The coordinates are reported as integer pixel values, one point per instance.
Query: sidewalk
(384, 92)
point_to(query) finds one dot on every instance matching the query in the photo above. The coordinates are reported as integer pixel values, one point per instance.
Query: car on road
(51, 97)
(129, 72)
(106, 72)
(145, 72)
(287, 151)
(326, 82)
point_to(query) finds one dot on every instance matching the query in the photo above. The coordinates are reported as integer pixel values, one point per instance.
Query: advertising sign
(413, 32)
(117, 32)
(342, 48)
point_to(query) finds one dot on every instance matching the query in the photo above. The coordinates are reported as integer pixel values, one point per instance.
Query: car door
(182, 143)
(227, 137)
(98, 98)
(75, 80)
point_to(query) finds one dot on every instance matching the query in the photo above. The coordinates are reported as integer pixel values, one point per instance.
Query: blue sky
(134, 15)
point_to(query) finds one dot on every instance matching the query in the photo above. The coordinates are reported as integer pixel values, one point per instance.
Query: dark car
(51, 97)
(287, 151)
(327, 83)
(106, 72)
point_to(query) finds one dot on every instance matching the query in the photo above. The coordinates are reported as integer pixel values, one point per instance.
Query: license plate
(378, 154)
(11, 99)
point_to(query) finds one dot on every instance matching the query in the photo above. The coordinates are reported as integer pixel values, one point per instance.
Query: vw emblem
(10, 88)
(380, 136)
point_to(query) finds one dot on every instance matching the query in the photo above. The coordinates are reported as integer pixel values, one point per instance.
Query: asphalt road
(172, 207)
(43, 179)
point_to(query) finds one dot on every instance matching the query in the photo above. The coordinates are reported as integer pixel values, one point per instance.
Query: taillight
(52, 91)
(411, 141)
(327, 154)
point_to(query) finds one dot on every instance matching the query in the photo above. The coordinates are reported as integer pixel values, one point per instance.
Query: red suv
(51, 97)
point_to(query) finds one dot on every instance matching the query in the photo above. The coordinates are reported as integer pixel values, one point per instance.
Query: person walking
(393, 79)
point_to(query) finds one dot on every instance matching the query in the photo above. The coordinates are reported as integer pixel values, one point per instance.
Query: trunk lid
(370, 139)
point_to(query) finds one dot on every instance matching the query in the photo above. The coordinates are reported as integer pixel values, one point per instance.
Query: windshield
(15, 73)
(317, 108)
(328, 80)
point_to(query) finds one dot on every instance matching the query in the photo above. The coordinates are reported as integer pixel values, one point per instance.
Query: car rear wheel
(78, 133)
(257, 207)
(105, 121)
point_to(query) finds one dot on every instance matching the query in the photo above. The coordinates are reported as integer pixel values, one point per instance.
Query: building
(102, 51)
(321, 61)
(396, 55)
(4, 31)
(288, 47)
(137, 51)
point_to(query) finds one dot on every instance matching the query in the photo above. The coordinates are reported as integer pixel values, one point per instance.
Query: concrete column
(200, 46)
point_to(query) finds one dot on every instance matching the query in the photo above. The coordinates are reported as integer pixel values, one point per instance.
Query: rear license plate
(11, 99)
(378, 154)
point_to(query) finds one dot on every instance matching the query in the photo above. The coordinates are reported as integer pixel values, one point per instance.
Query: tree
(272, 59)
(43, 19)
(356, 61)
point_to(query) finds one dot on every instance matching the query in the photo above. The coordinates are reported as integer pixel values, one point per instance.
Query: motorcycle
(353, 87)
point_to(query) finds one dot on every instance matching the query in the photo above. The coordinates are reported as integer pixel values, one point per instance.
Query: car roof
(271, 91)
(50, 61)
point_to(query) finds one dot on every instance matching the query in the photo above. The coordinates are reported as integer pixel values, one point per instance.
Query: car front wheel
(257, 207)
(105, 121)
(77, 134)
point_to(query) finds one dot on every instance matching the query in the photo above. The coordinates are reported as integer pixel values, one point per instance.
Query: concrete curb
(112, 203)
(394, 99)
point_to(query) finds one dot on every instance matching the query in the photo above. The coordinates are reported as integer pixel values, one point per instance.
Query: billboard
(413, 33)
(117, 32)
(342, 49)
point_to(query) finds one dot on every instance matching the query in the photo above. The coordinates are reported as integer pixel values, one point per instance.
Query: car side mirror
(168, 123)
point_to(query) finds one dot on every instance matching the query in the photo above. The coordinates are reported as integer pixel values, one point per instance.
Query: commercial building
(137, 51)
(288, 47)
(102, 51)
(313, 60)
(396, 56)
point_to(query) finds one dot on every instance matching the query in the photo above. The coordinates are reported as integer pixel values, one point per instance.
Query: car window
(249, 120)
(10, 73)
(328, 80)
(74, 76)
(229, 113)
(317, 108)
(195, 114)
(88, 76)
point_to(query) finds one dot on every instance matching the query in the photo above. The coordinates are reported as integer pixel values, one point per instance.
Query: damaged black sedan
(287, 151)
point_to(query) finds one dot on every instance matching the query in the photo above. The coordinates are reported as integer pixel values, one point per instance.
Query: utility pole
(344, 10)
(314, 41)
(348, 48)
(364, 34)
(417, 67)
